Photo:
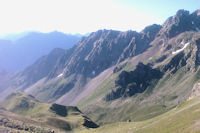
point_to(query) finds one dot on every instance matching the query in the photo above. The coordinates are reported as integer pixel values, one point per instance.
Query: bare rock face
(103, 49)
(140, 42)
(149, 33)
(181, 22)
(190, 59)
(197, 56)
(137, 81)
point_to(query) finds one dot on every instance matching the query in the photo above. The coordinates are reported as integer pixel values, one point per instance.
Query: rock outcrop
(129, 83)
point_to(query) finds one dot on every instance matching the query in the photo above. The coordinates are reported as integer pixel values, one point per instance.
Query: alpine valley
(111, 81)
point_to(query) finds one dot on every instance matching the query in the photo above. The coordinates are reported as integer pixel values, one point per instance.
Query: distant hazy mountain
(18, 54)
(14, 36)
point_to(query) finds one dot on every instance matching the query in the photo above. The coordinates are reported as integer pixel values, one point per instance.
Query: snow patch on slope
(179, 50)
(60, 75)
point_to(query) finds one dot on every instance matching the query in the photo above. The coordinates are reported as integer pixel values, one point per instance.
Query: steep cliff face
(140, 42)
(105, 48)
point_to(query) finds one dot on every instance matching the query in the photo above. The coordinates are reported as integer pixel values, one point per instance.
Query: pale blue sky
(160, 8)
(83, 16)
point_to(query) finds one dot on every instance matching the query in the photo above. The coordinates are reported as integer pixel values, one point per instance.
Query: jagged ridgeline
(115, 76)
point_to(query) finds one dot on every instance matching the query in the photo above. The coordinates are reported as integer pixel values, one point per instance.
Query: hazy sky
(83, 16)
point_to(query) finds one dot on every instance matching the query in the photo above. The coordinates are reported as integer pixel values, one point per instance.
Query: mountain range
(143, 81)
(23, 51)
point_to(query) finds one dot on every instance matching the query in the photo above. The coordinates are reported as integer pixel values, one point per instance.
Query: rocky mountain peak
(182, 21)
(151, 31)
(151, 28)
(182, 12)
(103, 33)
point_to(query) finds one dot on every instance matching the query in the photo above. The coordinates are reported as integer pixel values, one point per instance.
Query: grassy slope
(182, 119)
(170, 91)
(148, 107)
(103, 88)
(46, 91)
(130, 110)
(30, 108)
